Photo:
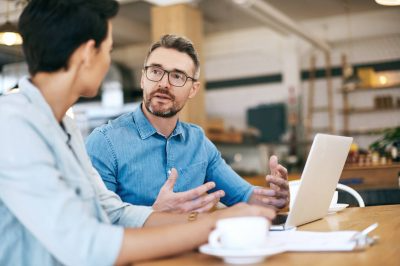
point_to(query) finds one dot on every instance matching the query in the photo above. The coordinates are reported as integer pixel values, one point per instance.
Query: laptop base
(279, 223)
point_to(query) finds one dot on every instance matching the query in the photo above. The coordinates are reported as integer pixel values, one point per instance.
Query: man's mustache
(164, 92)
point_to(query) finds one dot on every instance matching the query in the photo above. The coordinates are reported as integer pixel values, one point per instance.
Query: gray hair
(180, 44)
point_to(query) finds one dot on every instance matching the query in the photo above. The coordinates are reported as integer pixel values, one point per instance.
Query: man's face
(160, 97)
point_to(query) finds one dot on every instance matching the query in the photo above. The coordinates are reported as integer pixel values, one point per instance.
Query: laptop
(318, 181)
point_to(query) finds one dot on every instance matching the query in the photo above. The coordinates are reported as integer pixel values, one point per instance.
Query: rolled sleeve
(105, 247)
(236, 188)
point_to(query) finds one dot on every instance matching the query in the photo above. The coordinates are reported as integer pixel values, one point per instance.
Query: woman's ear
(83, 55)
(89, 50)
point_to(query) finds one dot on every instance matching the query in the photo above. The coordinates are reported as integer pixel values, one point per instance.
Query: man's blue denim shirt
(134, 160)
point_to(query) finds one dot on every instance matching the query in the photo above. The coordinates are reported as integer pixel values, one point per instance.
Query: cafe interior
(274, 73)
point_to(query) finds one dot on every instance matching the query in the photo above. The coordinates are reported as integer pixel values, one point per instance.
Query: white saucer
(337, 207)
(241, 256)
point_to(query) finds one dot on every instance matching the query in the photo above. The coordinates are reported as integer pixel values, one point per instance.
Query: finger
(283, 172)
(202, 201)
(273, 164)
(278, 181)
(271, 193)
(208, 206)
(277, 203)
(264, 192)
(196, 192)
(170, 183)
(274, 187)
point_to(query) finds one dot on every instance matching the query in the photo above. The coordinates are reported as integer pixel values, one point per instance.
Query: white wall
(375, 37)
(239, 54)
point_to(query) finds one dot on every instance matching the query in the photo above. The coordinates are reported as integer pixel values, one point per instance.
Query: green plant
(390, 137)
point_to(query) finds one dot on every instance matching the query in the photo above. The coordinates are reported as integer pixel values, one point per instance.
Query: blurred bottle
(394, 151)
(352, 158)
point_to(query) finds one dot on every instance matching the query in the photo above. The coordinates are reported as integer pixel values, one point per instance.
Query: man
(54, 208)
(135, 152)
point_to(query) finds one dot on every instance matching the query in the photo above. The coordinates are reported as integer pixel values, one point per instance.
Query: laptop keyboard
(280, 219)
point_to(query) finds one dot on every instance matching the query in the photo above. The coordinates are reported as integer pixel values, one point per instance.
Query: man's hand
(192, 200)
(277, 195)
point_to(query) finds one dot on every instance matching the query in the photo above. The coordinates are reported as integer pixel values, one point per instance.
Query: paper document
(314, 241)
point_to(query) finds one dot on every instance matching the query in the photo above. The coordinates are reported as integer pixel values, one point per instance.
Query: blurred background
(274, 73)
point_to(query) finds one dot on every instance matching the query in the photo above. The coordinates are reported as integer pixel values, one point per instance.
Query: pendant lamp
(9, 33)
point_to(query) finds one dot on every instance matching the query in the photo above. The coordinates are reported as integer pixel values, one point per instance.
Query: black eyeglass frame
(168, 72)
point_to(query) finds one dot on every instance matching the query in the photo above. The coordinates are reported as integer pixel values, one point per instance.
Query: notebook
(318, 181)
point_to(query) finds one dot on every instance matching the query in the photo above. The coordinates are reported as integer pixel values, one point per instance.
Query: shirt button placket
(170, 161)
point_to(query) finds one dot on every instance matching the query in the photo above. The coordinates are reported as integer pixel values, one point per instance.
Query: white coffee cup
(240, 233)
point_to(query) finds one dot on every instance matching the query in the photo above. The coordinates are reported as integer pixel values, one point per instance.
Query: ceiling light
(383, 80)
(168, 2)
(9, 34)
(241, 2)
(388, 2)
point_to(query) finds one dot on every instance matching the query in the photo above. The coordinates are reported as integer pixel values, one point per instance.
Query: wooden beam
(184, 20)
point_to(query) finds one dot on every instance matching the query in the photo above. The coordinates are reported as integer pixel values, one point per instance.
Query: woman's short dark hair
(53, 29)
(180, 44)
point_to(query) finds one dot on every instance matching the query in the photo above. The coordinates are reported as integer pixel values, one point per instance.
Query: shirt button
(78, 191)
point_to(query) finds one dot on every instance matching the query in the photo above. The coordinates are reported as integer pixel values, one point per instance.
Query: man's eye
(177, 75)
(156, 71)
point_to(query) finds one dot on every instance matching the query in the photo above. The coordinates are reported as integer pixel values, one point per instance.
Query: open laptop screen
(319, 179)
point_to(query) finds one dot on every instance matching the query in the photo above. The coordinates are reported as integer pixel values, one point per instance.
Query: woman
(54, 208)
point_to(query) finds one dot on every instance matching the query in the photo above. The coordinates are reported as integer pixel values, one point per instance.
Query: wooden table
(385, 252)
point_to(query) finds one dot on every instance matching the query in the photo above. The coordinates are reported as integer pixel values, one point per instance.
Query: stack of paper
(314, 241)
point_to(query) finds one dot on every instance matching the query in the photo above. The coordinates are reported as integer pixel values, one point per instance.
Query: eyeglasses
(175, 78)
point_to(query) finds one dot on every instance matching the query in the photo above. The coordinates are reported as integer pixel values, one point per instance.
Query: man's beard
(165, 113)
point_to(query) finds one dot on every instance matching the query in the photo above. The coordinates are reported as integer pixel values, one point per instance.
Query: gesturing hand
(192, 200)
(277, 195)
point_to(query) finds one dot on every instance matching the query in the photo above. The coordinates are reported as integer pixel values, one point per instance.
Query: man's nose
(164, 82)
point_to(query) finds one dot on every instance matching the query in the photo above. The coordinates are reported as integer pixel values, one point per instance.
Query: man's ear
(142, 80)
(194, 89)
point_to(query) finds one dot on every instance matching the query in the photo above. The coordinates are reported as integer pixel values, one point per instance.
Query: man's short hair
(53, 29)
(179, 43)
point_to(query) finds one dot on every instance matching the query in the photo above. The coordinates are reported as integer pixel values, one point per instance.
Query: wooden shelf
(360, 89)
(351, 167)
(371, 176)
(321, 130)
(360, 132)
(226, 136)
(364, 110)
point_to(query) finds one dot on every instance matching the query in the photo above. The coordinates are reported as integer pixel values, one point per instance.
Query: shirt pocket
(191, 176)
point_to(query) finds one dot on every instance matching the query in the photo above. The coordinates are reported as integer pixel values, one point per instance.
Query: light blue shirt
(134, 160)
(54, 207)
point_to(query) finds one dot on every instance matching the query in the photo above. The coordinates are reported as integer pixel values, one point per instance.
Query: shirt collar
(178, 130)
(146, 129)
(32, 93)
